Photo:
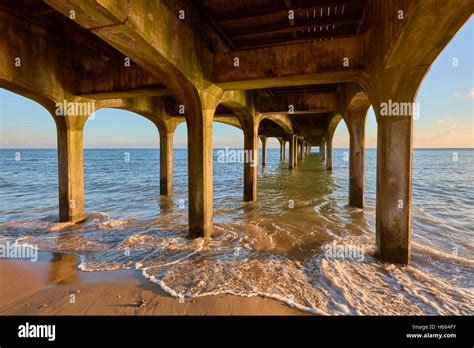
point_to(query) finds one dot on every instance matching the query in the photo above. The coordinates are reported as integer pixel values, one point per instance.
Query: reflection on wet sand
(62, 269)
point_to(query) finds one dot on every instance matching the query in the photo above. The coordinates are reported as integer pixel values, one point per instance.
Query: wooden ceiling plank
(279, 10)
(278, 28)
(279, 41)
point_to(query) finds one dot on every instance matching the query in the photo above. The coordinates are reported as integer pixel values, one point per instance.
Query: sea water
(299, 243)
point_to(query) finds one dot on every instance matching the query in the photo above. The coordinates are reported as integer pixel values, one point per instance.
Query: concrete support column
(356, 127)
(71, 167)
(166, 163)
(322, 150)
(292, 142)
(394, 170)
(250, 163)
(301, 149)
(200, 188)
(263, 139)
(284, 150)
(295, 149)
(329, 152)
(394, 160)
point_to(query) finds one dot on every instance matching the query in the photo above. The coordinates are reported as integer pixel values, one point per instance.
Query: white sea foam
(319, 285)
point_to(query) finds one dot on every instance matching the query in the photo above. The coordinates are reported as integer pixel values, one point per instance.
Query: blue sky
(446, 100)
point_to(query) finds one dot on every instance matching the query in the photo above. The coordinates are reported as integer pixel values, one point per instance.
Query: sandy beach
(54, 286)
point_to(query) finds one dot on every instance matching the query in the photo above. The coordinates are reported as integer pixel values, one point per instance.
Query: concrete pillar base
(71, 168)
(250, 163)
(393, 212)
(356, 125)
(301, 150)
(329, 153)
(293, 152)
(200, 171)
(166, 164)
(322, 150)
(292, 162)
(282, 149)
(263, 139)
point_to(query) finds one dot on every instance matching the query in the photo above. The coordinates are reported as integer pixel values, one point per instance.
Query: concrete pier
(301, 149)
(142, 57)
(200, 173)
(263, 139)
(355, 121)
(295, 150)
(166, 163)
(291, 163)
(71, 168)
(251, 163)
(322, 151)
(329, 152)
(282, 149)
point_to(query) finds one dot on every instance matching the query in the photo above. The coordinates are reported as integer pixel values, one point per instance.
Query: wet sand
(54, 286)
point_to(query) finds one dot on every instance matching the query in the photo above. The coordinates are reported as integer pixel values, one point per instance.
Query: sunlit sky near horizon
(446, 98)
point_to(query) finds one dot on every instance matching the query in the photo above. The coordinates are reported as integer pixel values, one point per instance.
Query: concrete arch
(353, 101)
(282, 120)
(233, 121)
(242, 105)
(333, 122)
(359, 101)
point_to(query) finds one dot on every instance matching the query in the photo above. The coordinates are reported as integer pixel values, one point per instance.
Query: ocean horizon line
(219, 147)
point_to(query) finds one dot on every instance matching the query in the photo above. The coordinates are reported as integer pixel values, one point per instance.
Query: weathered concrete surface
(263, 139)
(393, 215)
(230, 120)
(322, 150)
(251, 162)
(113, 83)
(302, 104)
(394, 72)
(329, 151)
(304, 64)
(291, 162)
(295, 150)
(354, 106)
(154, 44)
(186, 66)
(301, 149)
(71, 168)
(166, 163)
(394, 164)
(200, 173)
(282, 120)
(282, 148)
(356, 159)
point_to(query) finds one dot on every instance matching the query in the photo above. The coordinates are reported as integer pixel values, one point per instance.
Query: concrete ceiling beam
(332, 61)
(299, 104)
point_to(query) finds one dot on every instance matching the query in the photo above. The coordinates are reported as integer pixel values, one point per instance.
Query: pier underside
(285, 69)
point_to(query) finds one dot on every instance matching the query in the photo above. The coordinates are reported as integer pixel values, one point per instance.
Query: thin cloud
(446, 122)
(468, 95)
